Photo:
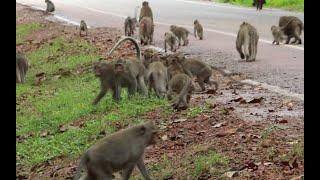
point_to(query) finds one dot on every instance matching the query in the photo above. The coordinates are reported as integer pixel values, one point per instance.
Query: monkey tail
(84, 159)
(130, 39)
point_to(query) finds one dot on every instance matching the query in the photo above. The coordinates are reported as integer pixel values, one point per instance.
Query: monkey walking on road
(247, 41)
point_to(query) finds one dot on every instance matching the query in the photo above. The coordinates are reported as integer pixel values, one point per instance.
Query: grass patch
(296, 5)
(24, 29)
(198, 160)
(55, 103)
(195, 111)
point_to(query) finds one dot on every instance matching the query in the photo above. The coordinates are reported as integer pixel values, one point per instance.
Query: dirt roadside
(256, 129)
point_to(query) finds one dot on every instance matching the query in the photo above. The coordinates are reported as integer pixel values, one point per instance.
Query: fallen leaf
(211, 91)
(200, 132)
(164, 137)
(179, 120)
(219, 125)
(236, 100)
(256, 100)
(227, 132)
(267, 163)
(283, 121)
(266, 143)
(231, 174)
(301, 177)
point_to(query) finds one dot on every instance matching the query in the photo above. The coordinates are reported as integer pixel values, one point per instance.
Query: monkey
(129, 26)
(180, 84)
(22, 67)
(181, 33)
(133, 69)
(149, 56)
(121, 73)
(83, 27)
(145, 11)
(120, 151)
(277, 34)
(194, 67)
(146, 29)
(198, 29)
(157, 78)
(50, 6)
(170, 39)
(292, 27)
(247, 41)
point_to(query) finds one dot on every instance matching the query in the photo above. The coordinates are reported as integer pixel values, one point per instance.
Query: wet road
(281, 66)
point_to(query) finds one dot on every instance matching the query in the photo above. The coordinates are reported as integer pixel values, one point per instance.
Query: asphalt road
(281, 66)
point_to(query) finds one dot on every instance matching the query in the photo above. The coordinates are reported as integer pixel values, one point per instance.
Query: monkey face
(119, 67)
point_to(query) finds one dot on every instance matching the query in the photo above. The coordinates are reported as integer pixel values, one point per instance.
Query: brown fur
(121, 151)
(129, 26)
(83, 27)
(146, 29)
(198, 29)
(292, 27)
(121, 73)
(171, 40)
(50, 6)
(145, 11)
(247, 41)
(157, 78)
(181, 33)
(22, 67)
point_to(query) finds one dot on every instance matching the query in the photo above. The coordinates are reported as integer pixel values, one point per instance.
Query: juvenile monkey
(180, 85)
(247, 41)
(181, 33)
(22, 66)
(194, 67)
(121, 73)
(277, 34)
(120, 151)
(129, 26)
(150, 56)
(157, 78)
(171, 40)
(198, 29)
(50, 6)
(83, 27)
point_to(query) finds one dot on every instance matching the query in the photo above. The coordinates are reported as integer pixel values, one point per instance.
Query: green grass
(198, 159)
(296, 5)
(24, 29)
(209, 162)
(197, 110)
(54, 103)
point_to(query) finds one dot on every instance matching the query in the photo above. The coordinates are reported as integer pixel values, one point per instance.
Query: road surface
(280, 66)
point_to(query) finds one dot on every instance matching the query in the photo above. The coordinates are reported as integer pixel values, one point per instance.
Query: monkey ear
(142, 130)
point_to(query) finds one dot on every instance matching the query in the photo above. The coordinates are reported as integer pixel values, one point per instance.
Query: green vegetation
(24, 29)
(296, 5)
(197, 161)
(197, 110)
(43, 110)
